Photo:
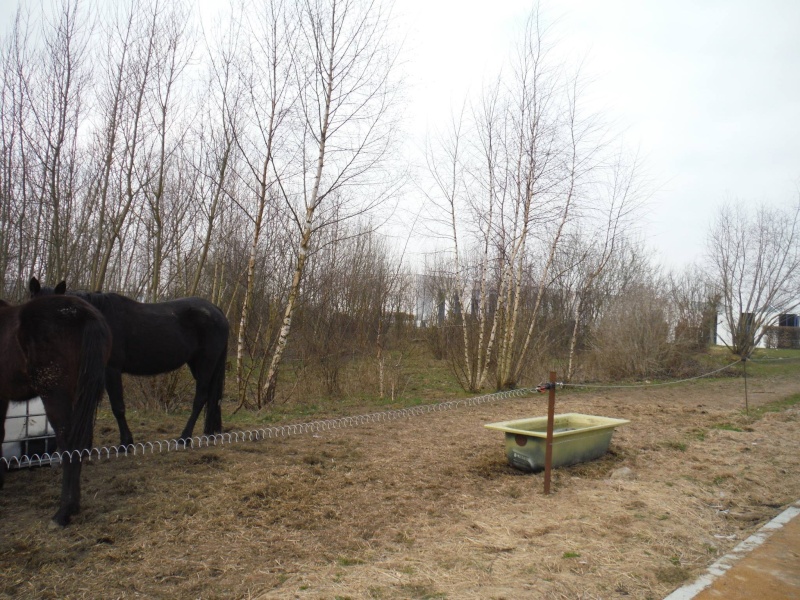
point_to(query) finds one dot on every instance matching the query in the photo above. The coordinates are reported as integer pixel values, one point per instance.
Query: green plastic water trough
(577, 438)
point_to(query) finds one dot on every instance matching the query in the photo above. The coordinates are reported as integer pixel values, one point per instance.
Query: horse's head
(36, 289)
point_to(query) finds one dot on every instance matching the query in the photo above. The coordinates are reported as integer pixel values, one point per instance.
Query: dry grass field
(424, 507)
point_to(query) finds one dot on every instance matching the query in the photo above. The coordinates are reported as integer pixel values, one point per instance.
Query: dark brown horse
(56, 348)
(149, 339)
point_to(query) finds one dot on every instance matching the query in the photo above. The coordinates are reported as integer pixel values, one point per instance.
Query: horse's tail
(95, 348)
(213, 423)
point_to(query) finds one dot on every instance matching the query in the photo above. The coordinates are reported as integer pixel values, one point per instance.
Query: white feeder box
(28, 434)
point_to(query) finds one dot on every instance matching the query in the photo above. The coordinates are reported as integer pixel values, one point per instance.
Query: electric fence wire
(774, 360)
(648, 384)
(251, 435)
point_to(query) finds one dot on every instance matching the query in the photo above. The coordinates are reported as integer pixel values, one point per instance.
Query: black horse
(56, 348)
(149, 339)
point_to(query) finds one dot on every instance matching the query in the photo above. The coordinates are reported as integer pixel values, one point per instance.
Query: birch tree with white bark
(539, 151)
(342, 129)
(265, 72)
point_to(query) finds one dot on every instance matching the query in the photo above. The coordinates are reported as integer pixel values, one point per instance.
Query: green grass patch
(726, 427)
(776, 406)
(344, 561)
(767, 362)
(571, 555)
(673, 445)
(421, 591)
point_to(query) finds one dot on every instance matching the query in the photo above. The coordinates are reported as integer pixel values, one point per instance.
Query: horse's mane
(99, 300)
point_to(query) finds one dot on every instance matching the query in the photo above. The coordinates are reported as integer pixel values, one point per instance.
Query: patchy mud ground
(421, 508)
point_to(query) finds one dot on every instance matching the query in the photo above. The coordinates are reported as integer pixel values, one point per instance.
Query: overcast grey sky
(708, 91)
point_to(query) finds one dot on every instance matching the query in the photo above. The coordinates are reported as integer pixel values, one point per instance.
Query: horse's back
(194, 316)
(152, 338)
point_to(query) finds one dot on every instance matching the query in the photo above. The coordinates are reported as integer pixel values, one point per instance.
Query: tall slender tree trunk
(302, 255)
(248, 290)
(515, 371)
(573, 340)
(305, 239)
(212, 213)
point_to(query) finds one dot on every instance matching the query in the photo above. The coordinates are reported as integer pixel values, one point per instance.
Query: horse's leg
(202, 379)
(213, 422)
(3, 411)
(114, 389)
(200, 398)
(59, 412)
(70, 489)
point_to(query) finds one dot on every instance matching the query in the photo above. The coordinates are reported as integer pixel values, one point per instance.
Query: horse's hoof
(57, 523)
(62, 517)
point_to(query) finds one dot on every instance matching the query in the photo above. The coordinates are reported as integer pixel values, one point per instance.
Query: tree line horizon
(257, 163)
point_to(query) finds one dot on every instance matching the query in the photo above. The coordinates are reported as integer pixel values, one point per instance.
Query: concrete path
(765, 566)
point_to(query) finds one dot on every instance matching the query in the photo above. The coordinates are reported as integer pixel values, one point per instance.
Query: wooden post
(746, 401)
(551, 411)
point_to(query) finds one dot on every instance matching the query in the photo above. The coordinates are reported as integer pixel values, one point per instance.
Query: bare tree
(539, 154)
(556, 178)
(215, 164)
(754, 259)
(266, 75)
(492, 121)
(448, 172)
(130, 76)
(58, 117)
(110, 102)
(387, 283)
(610, 218)
(631, 337)
(532, 161)
(13, 250)
(45, 87)
(342, 63)
(695, 306)
(173, 53)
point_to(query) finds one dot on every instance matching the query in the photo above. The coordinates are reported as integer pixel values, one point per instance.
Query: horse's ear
(33, 286)
(61, 288)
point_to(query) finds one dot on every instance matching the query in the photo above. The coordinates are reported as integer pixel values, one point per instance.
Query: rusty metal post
(551, 411)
